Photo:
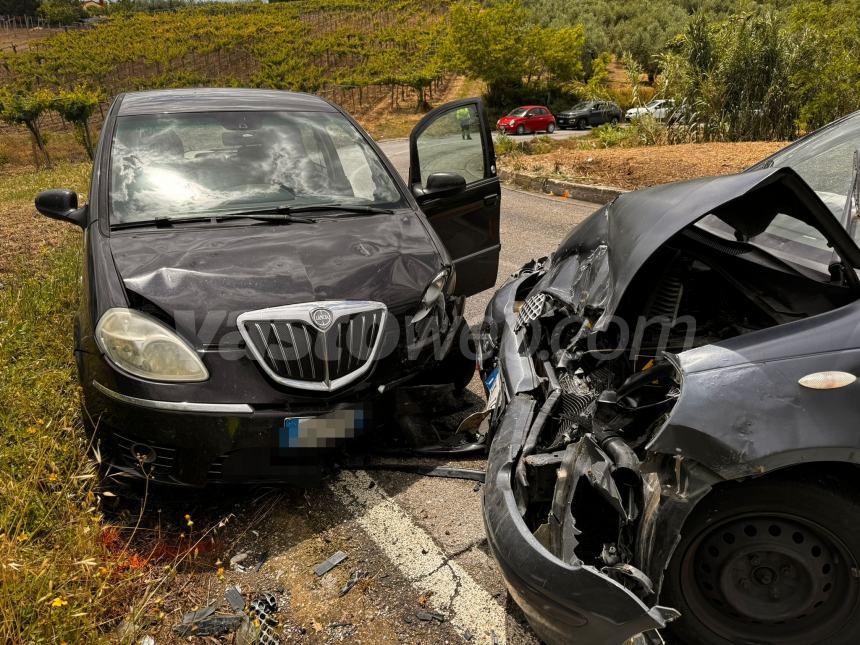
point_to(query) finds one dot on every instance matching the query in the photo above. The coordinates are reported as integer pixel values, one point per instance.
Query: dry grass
(639, 167)
(383, 122)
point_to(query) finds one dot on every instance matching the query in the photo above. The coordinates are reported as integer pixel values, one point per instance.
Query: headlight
(141, 345)
(432, 295)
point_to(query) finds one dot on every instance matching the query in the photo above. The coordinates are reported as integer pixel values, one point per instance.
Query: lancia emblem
(322, 318)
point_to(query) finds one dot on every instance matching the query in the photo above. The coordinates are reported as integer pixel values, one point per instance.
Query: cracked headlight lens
(144, 347)
(432, 295)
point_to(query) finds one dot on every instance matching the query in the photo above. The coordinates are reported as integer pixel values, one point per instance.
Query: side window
(452, 143)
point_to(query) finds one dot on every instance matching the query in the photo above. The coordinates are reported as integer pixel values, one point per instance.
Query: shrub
(61, 12)
(612, 136)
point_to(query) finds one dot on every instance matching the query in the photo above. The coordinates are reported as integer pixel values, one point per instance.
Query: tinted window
(186, 165)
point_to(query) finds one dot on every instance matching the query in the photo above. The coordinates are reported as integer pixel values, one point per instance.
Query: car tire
(521, 129)
(550, 128)
(768, 561)
(614, 121)
(580, 124)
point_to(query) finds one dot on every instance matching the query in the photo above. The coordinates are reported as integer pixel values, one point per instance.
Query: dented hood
(203, 277)
(598, 260)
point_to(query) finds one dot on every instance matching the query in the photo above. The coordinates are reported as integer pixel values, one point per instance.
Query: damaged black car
(673, 404)
(258, 280)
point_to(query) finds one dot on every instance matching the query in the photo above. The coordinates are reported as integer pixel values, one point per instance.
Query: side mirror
(62, 205)
(441, 184)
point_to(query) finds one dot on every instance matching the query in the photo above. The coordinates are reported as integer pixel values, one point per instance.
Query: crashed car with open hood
(673, 404)
(258, 280)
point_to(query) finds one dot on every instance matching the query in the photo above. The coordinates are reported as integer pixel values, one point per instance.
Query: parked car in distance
(590, 113)
(672, 396)
(660, 109)
(258, 280)
(527, 119)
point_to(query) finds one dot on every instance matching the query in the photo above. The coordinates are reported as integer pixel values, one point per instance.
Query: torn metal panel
(610, 435)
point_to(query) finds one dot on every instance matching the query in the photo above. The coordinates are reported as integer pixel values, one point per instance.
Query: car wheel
(521, 129)
(580, 124)
(614, 120)
(550, 128)
(769, 561)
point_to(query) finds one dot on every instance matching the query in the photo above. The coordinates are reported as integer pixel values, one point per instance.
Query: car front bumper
(563, 602)
(192, 444)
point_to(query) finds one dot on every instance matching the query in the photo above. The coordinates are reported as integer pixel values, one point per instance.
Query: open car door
(452, 174)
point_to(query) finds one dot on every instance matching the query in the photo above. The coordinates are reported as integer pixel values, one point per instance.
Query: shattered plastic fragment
(234, 598)
(353, 579)
(327, 565)
(263, 609)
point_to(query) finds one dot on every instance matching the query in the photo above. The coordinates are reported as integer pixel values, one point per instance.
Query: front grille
(150, 458)
(531, 310)
(297, 351)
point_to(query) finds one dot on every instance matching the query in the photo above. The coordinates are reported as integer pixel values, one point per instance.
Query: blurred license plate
(324, 431)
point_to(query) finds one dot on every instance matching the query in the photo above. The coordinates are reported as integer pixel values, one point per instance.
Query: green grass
(58, 582)
(22, 184)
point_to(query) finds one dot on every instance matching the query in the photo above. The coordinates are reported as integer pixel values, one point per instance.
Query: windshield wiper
(277, 214)
(158, 222)
(356, 209)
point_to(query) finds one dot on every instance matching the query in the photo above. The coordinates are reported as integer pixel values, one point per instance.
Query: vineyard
(355, 53)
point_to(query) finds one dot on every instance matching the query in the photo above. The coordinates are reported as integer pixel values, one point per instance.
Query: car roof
(209, 99)
(528, 107)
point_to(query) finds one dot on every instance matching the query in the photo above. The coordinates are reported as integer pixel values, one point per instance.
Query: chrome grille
(297, 351)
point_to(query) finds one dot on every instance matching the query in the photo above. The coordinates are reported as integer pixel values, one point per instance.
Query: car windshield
(655, 104)
(518, 112)
(177, 166)
(824, 161)
(581, 106)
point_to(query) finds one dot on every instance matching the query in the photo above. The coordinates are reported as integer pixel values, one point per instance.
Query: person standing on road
(465, 118)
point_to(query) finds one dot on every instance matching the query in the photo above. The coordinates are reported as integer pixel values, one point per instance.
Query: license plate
(493, 385)
(324, 431)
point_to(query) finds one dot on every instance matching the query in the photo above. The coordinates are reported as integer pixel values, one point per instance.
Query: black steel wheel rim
(769, 578)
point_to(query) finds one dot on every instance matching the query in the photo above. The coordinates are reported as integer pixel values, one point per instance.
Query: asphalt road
(414, 544)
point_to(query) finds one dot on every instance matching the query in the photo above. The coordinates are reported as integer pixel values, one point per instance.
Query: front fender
(752, 418)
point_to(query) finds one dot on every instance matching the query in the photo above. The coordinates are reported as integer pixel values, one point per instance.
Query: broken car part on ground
(259, 281)
(675, 412)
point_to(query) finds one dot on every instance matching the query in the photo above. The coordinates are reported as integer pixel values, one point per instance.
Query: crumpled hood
(598, 260)
(205, 277)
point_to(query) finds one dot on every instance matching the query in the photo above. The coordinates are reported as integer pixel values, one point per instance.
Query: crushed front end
(565, 490)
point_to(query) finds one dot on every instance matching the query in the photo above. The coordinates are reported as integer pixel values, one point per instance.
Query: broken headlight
(433, 296)
(144, 347)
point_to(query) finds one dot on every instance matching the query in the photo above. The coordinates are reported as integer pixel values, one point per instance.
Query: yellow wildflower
(59, 602)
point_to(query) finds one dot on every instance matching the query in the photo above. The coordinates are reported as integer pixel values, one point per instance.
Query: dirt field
(22, 38)
(632, 168)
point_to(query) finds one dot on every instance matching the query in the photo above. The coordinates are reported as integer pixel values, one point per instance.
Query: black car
(674, 404)
(258, 280)
(590, 113)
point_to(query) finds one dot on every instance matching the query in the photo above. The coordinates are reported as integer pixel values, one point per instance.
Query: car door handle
(490, 200)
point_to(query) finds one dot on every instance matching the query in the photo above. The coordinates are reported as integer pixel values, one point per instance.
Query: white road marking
(420, 560)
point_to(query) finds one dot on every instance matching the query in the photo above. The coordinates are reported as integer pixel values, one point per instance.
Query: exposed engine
(604, 393)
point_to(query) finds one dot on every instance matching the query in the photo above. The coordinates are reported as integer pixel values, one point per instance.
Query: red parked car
(528, 118)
